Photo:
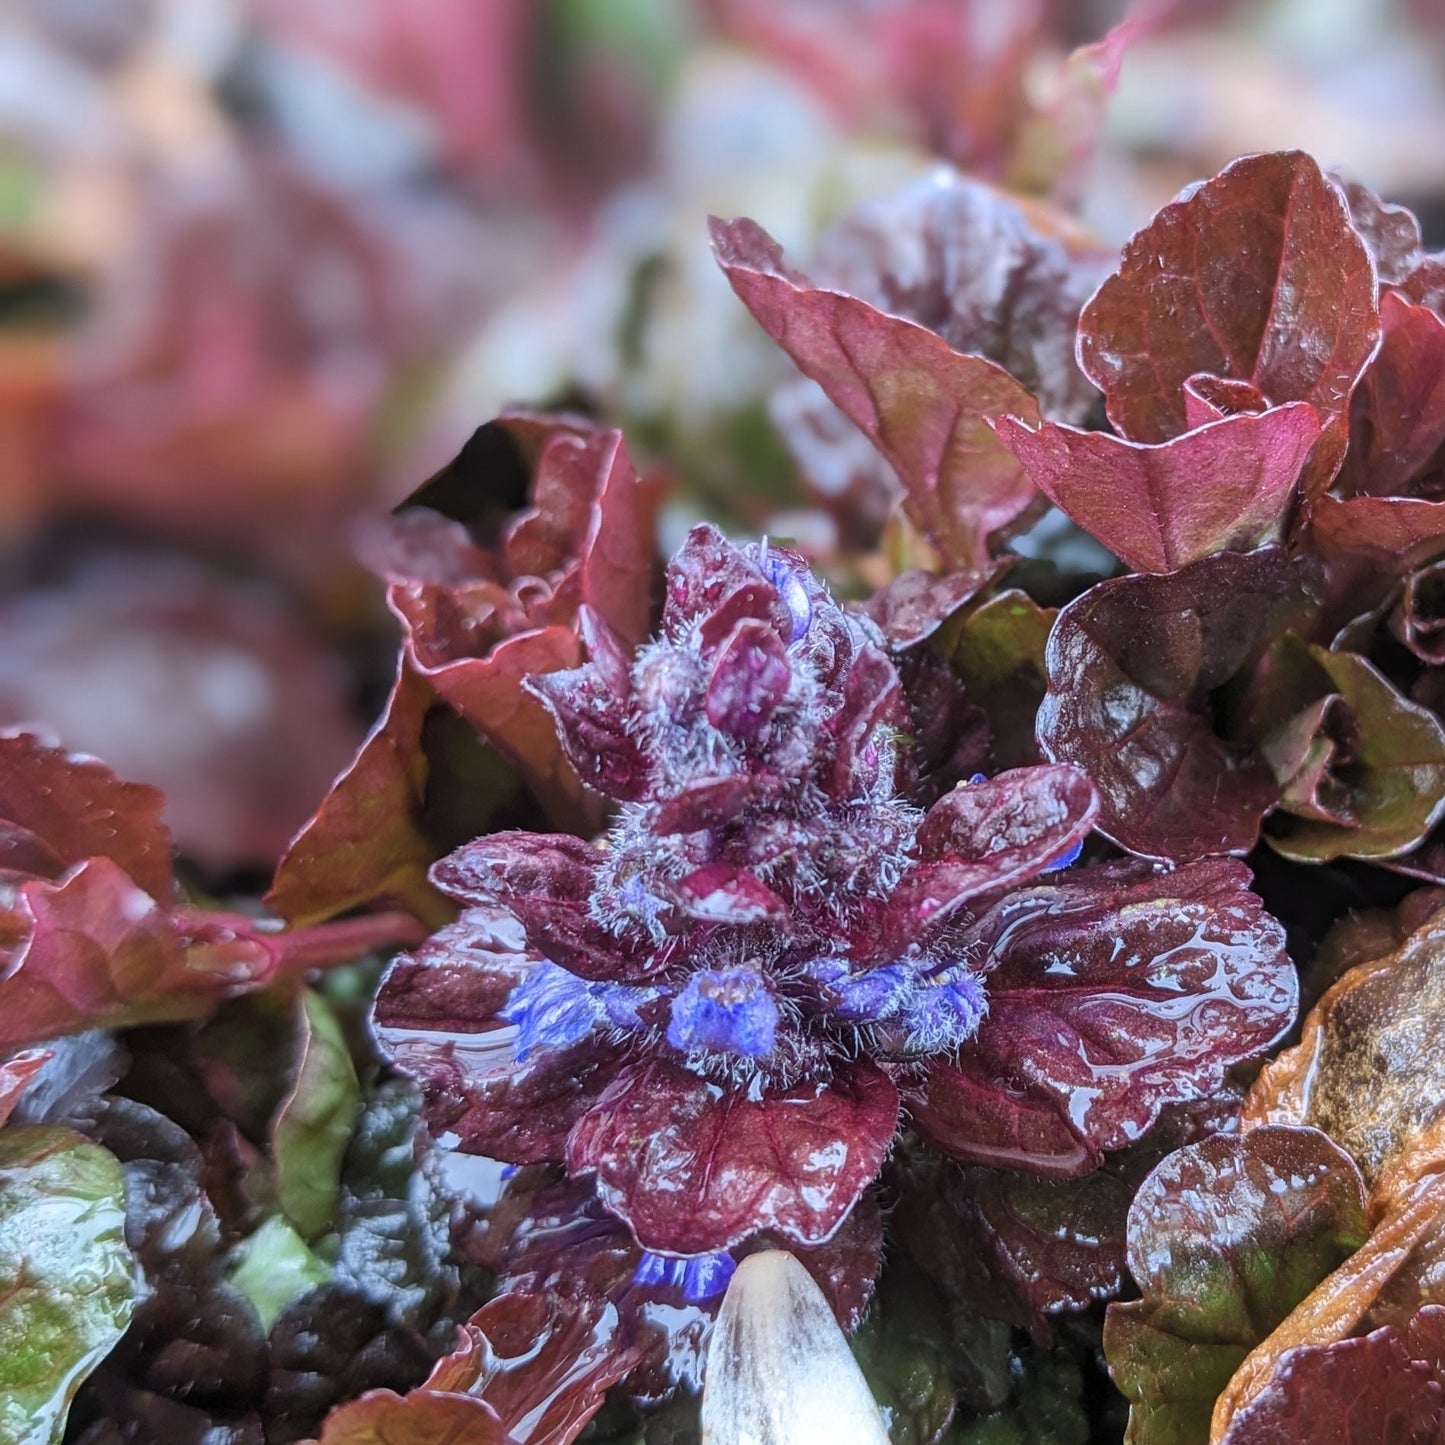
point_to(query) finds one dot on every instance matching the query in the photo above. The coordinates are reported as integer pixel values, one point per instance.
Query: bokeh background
(265, 264)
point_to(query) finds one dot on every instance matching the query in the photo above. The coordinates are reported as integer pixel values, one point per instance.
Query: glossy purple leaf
(997, 833)
(1256, 275)
(694, 1168)
(436, 1016)
(750, 677)
(545, 881)
(921, 403)
(1133, 665)
(1224, 486)
(1112, 993)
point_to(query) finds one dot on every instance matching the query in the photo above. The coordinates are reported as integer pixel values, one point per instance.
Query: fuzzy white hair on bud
(779, 1370)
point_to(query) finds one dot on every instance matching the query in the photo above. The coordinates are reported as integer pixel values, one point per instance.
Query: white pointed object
(779, 1370)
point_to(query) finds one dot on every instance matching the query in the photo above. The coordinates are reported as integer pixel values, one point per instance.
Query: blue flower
(729, 1010)
(791, 589)
(699, 1276)
(551, 1008)
(945, 1010)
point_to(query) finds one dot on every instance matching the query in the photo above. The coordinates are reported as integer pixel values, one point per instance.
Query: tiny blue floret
(790, 588)
(700, 1276)
(729, 1010)
(551, 1009)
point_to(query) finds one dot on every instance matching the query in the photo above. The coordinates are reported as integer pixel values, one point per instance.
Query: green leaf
(901, 1348)
(1381, 773)
(312, 1127)
(1048, 1409)
(919, 1356)
(1225, 1238)
(999, 654)
(272, 1266)
(67, 1280)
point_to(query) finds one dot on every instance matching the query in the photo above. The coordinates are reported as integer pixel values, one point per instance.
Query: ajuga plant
(940, 938)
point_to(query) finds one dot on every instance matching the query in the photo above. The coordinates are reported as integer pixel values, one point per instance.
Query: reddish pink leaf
(424, 1417)
(1223, 487)
(59, 808)
(16, 1073)
(488, 693)
(367, 840)
(100, 953)
(922, 404)
(1256, 275)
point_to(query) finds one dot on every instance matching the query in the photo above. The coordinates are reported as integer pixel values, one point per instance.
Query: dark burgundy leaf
(545, 881)
(1368, 544)
(436, 1019)
(586, 716)
(872, 695)
(693, 1168)
(915, 604)
(388, 816)
(988, 275)
(1111, 993)
(1397, 423)
(715, 585)
(922, 404)
(1013, 1246)
(1391, 232)
(1133, 666)
(1256, 275)
(1370, 1390)
(706, 802)
(1225, 486)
